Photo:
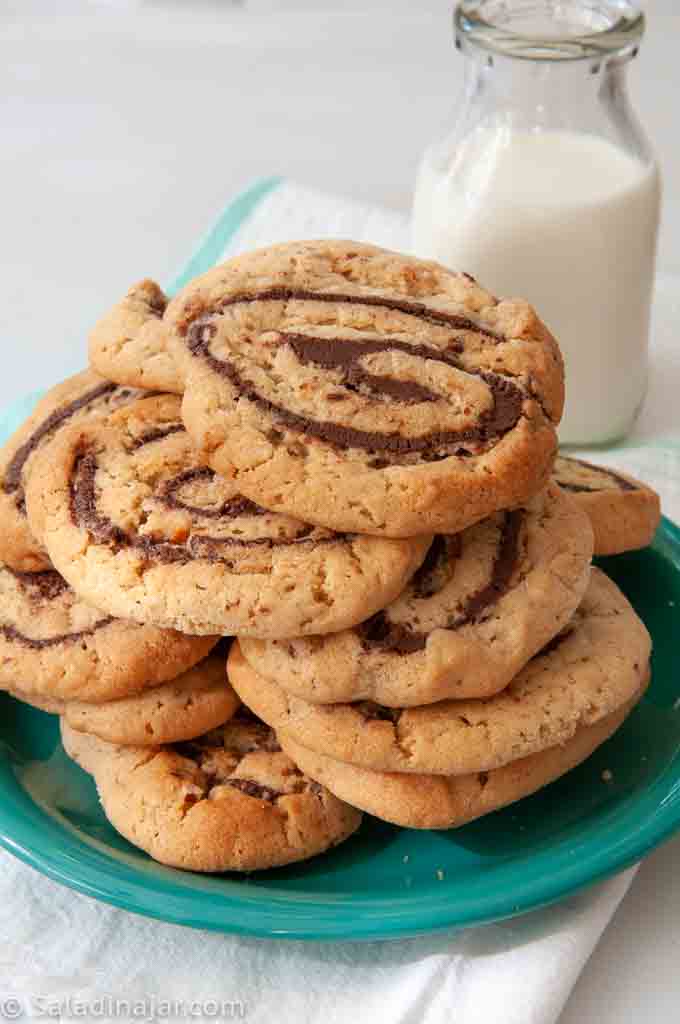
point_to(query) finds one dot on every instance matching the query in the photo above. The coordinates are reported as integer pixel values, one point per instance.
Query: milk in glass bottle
(547, 189)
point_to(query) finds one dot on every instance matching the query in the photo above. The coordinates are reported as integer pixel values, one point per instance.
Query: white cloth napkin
(59, 946)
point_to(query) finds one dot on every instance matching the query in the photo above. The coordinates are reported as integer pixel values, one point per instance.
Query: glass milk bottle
(546, 188)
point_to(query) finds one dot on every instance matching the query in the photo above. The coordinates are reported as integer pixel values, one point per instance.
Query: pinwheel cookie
(364, 390)
(623, 511)
(481, 605)
(142, 529)
(74, 401)
(448, 801)
(54, 646)
(198, 700)
(129, 344)
(587, 672)
(230, 800)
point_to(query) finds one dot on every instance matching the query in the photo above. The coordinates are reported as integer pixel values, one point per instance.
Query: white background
(124, 128)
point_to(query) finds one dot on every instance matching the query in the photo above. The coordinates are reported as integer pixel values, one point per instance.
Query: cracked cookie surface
(483, 602)
(230, 800)
(129, 343)
(440, 801)
(364, 390)
(623, 511)
(72, 402)
(142, 529)
(198, 700)
(54, 645)
(585, 673)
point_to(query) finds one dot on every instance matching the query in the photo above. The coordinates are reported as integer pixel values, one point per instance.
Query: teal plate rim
(625, 833)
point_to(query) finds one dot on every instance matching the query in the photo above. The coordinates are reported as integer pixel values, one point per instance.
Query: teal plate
(385, 882)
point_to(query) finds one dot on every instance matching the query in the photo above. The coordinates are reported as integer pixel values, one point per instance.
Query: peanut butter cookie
(230, 800)
(364, 390)
(587, 672)
(197, 701)
(72, 402)
(129, 344)
(53, 645)
(142, 529)
(441, 801)
(623, 511)
(483, 602)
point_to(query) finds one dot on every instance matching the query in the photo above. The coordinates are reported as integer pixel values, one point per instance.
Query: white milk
(568, 221)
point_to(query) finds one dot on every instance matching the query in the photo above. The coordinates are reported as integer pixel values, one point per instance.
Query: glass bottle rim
(550, 30)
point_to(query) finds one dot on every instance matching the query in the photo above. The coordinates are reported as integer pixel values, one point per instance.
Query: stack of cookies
(344, 458)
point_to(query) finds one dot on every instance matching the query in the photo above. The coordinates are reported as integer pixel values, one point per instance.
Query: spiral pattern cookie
(198, 700)
(230, 800)
(53, 645)
(72, 402)
(624, 512)
(587, 672)
(483, 602)
(449, 801)
(364, 390)
(129, 344)
(142, 529)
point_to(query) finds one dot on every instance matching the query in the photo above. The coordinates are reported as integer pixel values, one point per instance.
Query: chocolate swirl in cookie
(15, 635)
(383, 632)
(43, 589)
(45, 586)
(371, 711)
(87, 514)
(171, 492)
(343, 357)
(585, 488)
(217, 758)
(155, 434)
(106, 394)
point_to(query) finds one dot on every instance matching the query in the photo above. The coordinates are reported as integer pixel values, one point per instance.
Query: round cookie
(364, 390)
(54, 646)
(73, 401)
(129, 344)
(483, 602)
(584, 674)
(143, 530)
(198, 700)
(623, 511)
(441, 801)
(229, 801)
